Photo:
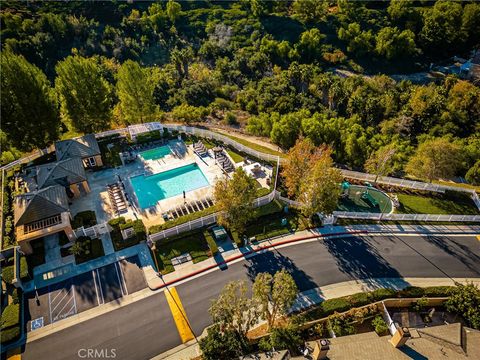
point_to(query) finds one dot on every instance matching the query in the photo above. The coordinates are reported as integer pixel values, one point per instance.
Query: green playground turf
(354, 201)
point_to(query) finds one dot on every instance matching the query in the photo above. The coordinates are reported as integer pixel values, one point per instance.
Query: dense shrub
(211, 242)
(380, 325)
(85, 219)
(119, 224)
(149, 136)
(10, 323)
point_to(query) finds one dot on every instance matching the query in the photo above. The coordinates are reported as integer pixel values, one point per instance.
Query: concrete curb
(260, 248)
(251, 252)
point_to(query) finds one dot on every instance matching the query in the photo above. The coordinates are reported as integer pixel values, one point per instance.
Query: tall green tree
(434, 159)
(310, 10)
(309, 47)
(394, 44)
(234, 199)
(465, 301)
(173, 10)
(135, 93)
(85, 95)
(28, 105)
(275, 294)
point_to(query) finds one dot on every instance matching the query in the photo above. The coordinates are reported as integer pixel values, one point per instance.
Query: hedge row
(84, 218)
(345, 303)
(119, 224)
(211, 242)
(181, 220)
(10, 330)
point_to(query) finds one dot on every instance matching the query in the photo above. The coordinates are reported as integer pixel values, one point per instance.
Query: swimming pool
(155, 153)
(153, 188)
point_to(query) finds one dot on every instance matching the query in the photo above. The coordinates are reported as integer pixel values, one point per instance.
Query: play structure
(365, 198)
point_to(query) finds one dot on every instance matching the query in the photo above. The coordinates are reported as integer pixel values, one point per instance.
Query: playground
(363, 199)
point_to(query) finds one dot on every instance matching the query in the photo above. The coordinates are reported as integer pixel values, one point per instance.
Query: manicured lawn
(235, 157)
(268, 222)
(94, 248)
(254, 146)
(467, 186)
(193, 243)
(452, 202)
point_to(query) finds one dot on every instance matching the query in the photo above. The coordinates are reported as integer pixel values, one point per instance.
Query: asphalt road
(145, 328)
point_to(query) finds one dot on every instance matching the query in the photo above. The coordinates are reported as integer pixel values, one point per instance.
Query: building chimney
(320, 350)
(400, 337)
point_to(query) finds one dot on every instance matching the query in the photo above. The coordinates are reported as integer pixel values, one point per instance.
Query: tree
(473, 174)
(285, 337)
(285, 131)
(358, 42)
(234, 200)
(233, 310)
(223, 344)
(393, 43)
(465, 301)
(381, 162)
(434, 159)
(28, 106)
(173, 10)
(320, 189)
(135, 92)
(85, 95)
(309, 47)
(299, 162)
(310, 10)
(275, 294)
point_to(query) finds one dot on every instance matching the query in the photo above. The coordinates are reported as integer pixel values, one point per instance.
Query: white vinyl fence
(407, 217)
(203, 221)
(93, 231)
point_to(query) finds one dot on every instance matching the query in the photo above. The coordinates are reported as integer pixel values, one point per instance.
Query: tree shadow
(356, 257)
(458, 250)
(273, 261)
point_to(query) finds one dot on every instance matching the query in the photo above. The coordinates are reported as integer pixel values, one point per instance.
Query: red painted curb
(260, 248)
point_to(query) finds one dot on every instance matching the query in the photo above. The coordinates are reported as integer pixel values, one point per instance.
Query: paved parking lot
(83, 292)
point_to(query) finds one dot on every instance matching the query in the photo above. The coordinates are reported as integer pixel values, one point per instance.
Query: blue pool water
(155, 153)
(153, 188)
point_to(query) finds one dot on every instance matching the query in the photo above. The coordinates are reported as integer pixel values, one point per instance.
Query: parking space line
(100, 286)
(68, 292)
(96, 287)
(60, 312)
(122, 275)
(119, 281)
(49, 304)
(74, 299)
(55, 295)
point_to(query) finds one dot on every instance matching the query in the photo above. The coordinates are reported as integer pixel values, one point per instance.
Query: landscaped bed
(85, 219)
(90, 249)
(195, 243)
(10, 323)
(120, 224)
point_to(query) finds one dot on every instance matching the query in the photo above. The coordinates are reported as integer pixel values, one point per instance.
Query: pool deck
(97, 199)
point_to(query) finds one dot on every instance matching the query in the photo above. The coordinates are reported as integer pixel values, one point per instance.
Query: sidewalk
(191, 270)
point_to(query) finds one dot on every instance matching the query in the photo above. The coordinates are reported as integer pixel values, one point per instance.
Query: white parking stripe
(68, 292)
(119, 281)
(123, 278)
(96, 287)
(74, 299)
(56, 295)
(100, 287)
(60, 311)
(49, 304)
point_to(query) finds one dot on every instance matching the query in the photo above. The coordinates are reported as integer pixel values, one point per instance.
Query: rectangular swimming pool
(155, 153)
(153, 188)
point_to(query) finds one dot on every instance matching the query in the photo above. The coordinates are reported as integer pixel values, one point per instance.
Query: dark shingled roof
(64, 172)
(41, 204)
(81, 147)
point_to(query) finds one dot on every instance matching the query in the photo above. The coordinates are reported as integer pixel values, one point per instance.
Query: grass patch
(194, 243)
(459, 185)
(92, 249)
(451, 202)
(235, 156)
(254, 146)
(10, 320)
(181, 220)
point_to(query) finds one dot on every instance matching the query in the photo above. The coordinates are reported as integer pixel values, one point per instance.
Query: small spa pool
(156, 153)
(153, 188)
